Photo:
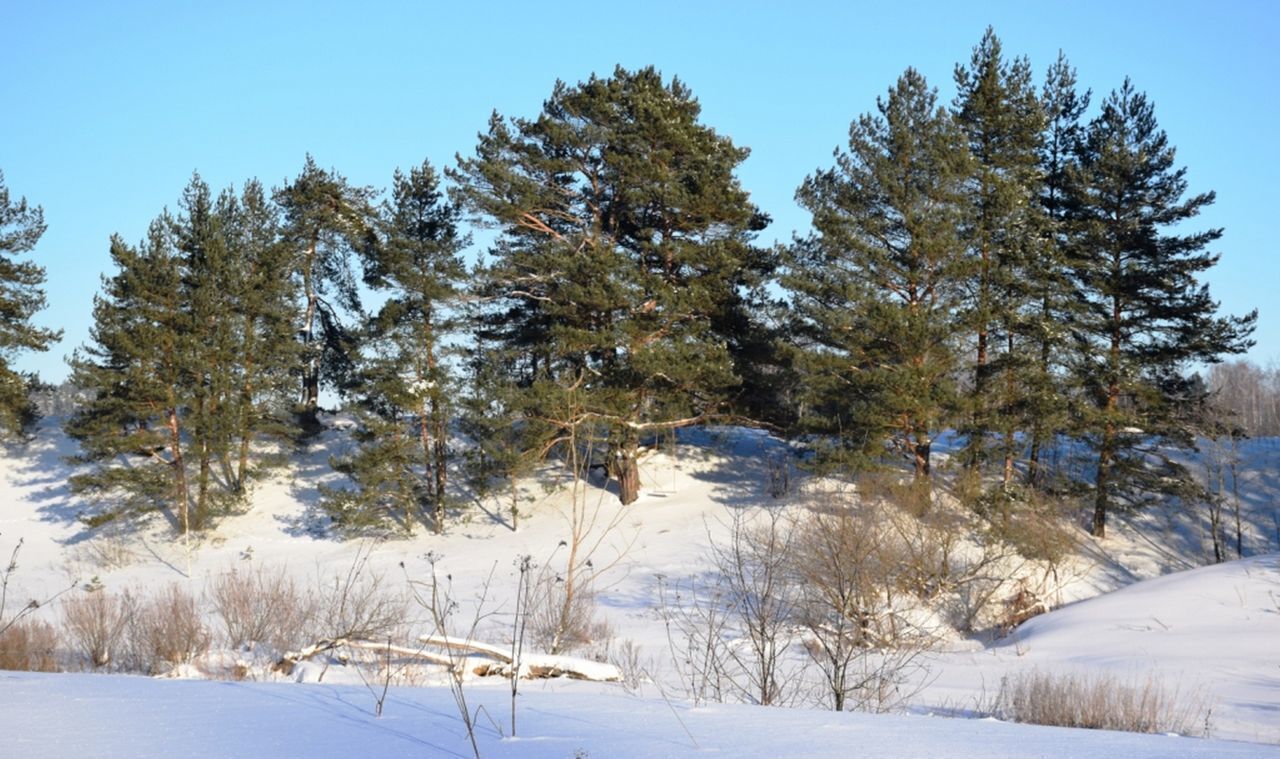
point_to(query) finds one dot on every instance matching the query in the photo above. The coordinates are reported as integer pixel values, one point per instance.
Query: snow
(1211, 632)
(91, 716)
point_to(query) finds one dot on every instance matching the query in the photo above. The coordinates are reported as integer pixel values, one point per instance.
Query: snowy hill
(1209, 633)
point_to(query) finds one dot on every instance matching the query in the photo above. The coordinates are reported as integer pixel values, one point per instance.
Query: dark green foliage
(404, 389)
(997, 109)
(1146, 315)
(878, 288)
(501, 444)
(133, 371)
(189, 360)
(326, 221)
(1050, 385)
(21, 297)
(625, 259)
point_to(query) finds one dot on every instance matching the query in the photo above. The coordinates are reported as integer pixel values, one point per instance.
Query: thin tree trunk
(1010, 388)
(204, 453)
(179, 470)
(310, 399)
(1103, 481)
(246, 405)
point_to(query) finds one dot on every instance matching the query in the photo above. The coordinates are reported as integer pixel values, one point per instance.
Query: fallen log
(286, 663)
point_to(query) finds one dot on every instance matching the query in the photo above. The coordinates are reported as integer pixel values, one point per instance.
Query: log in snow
(532, 666)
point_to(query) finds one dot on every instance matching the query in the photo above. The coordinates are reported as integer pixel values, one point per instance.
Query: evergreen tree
(1146, 314)
(625, 258)
(997, 108)
(132, 424)
(326, 222)
(878, 287)
(186, 367)
(404, 387)
(1049, 392)
(265, 353)
(21, 297)
(500, 442)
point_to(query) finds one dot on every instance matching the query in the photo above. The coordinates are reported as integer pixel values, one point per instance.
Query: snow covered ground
(1212, 633)
(90, 716)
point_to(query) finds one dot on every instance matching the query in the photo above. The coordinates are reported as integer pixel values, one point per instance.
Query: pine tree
(1146, 314)
(997, 108)
(265, 351)
(625, 256)
(21, 297)
(131, 426)
(326, 222)
(186, 368)
(877, 288)
(1049, 393)
(403, 384)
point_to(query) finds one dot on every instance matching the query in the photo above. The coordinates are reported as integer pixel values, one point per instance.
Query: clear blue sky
(107, 107)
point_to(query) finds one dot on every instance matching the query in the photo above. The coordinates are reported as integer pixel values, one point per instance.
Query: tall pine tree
(21, 297)
(1049, 387)
(1000, 114)
(404, 388)
(878, 287)
(625, 258)
(132, 425)
(1146, 315)
(326, 223)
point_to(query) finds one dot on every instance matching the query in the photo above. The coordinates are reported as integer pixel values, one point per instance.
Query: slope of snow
(1212, 633)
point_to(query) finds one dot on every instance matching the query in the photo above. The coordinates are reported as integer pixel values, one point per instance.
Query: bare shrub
(561, 619)
(1100, 702)
(626, 657)
(164, 631)
(436, 596)
(261, 605)
(29, 645)
(95, 621)
(729, 634)
(947, 557)
(847, 567)
(697, 623)
(359, 604)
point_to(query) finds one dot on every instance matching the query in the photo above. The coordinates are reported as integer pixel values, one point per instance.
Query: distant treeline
(1016, 265)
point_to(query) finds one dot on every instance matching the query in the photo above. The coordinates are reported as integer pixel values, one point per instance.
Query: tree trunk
(179, 470)
(920, 453)
(1103, 482)
(1107, 452)
(627, 472)
(246, 406)
(424, 442)
(309, 401)
(439, 451)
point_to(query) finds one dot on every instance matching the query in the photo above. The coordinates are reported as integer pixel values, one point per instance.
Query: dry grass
(29, 645)
(94, 623)
(164, 631)
(262, 605)
(1099, 702)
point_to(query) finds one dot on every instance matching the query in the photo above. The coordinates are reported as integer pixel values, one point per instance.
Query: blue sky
(109, 107)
